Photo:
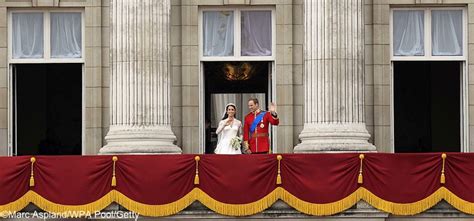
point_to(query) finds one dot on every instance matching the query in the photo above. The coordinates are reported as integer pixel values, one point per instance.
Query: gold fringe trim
(240, 209)
(15, 206)
(457, 202)
(321, 209)
(68, 210)
(63, 210)
(401, 208)
(363, 194)
(156, 210)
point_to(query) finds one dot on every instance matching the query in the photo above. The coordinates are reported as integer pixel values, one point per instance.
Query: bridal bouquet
(235, 142)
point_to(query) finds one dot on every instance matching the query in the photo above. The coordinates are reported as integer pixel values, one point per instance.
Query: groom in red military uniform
(256, 127)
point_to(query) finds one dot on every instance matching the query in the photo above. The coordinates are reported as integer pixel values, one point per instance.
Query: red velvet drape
(238, 180)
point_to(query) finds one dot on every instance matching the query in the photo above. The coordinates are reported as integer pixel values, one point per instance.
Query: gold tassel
(443, 178)
(32, 178)
(196, 178)
(360, 179)
(279, 157)
(32, 181)
(114, 180)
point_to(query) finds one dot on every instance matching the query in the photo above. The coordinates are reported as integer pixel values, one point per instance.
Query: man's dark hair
(255, 100)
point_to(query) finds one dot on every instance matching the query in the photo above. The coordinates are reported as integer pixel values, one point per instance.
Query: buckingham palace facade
(87, 77)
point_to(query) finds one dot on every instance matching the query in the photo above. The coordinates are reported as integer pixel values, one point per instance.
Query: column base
(334, 137)
(140, 140)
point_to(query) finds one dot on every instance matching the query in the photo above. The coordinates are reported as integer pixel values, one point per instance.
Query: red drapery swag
(162, 185)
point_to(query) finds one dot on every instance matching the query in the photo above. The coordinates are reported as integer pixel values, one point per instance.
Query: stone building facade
(331, 74)
(339, 84)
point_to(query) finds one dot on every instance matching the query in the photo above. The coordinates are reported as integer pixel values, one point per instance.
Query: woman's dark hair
(226, 108)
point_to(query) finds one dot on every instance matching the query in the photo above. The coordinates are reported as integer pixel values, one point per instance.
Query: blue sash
(256, 121)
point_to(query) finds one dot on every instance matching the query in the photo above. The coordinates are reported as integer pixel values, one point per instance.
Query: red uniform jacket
(258, 141)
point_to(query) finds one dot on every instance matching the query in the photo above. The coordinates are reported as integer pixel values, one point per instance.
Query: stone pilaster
(140, 78)
(334, 77)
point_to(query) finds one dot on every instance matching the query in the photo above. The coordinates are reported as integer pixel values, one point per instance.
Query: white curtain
(256, 33)
(219, 101)
(27, 33)
(218, 33)
(66, 35)
(446, 28)
(408, 33)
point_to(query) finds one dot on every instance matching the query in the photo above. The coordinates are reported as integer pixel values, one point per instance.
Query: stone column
(334, 77)
(140, 118)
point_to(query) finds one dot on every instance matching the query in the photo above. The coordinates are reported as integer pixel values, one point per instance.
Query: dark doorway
(235, 82)
(47, 109)
(427, 106)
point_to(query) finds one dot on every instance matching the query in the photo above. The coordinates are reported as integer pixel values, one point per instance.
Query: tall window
(46, 60)
(429, 79)
(428, 34)
(237, 54)
(237, 34)
(46, 36)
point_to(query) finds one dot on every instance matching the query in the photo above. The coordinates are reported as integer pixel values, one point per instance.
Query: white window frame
(237, 57)
(237, 34)
(45, 60)
(427, 36)
(464, 100)
(46, 38)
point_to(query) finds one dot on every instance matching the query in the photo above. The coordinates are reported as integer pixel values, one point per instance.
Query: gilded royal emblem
(241, 72)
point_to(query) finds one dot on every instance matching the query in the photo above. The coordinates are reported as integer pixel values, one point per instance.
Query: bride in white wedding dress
(228, 128)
